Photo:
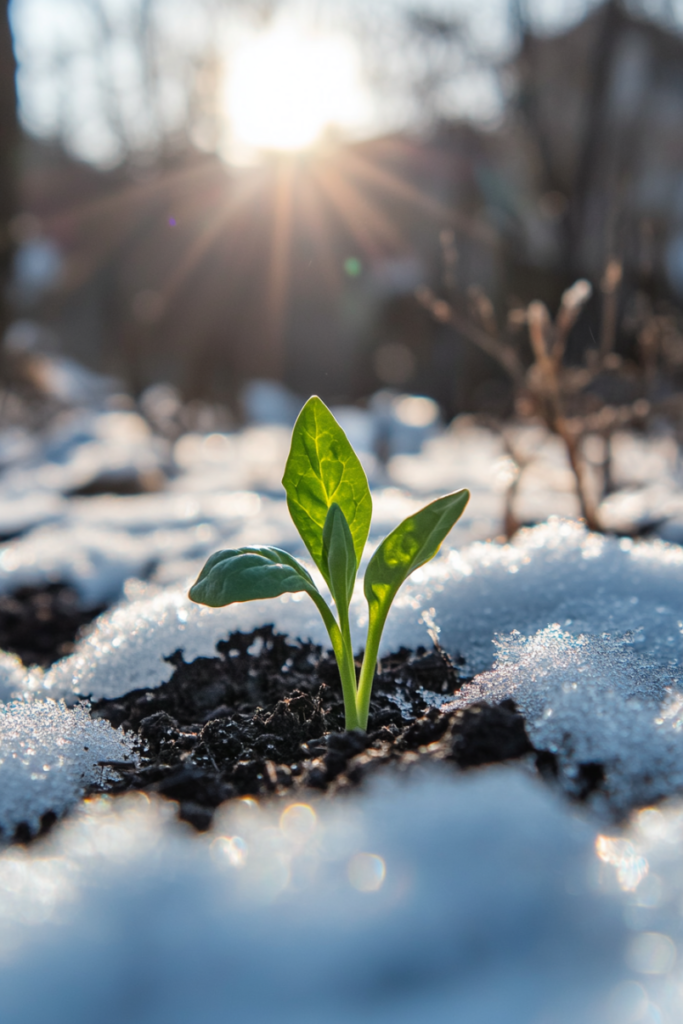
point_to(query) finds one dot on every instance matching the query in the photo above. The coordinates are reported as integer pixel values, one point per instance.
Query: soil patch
(42, 624)
(265, 717)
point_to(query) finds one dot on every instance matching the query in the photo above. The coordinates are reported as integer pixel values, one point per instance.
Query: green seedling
(329, 500)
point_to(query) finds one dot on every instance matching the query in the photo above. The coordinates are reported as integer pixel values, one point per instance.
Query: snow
(588, 632)
(593, 700)
(14, 678)
(49, 754)
(481, 896)
(218, 489)
(555, 572)
(128, 646)
(441, 897)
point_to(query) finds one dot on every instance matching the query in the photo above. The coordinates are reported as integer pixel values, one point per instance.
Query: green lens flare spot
(353, 267)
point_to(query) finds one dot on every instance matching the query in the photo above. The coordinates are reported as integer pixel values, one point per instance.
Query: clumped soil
(265, 717)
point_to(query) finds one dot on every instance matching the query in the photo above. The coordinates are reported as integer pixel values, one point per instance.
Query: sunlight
(285, 89)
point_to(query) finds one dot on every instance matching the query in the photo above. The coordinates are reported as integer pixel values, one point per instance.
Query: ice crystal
(593, 701)
(49, 754)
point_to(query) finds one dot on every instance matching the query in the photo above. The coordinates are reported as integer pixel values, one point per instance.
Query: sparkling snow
(49, 754)
(593, 700)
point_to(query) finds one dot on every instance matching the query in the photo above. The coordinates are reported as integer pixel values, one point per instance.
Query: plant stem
(347, 671)
(367, 672)
(343, 652)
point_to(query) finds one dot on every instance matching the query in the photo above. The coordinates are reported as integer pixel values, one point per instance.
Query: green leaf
(248, 574)
(339, 556)
(323, 469)
(415, 541)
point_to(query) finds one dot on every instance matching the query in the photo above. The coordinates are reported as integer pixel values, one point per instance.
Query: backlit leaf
(323, 469)
(415, 541)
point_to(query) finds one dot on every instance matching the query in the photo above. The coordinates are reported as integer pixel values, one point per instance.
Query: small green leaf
(340, 557)
(415, 541)
(323, 469)
(248, 574)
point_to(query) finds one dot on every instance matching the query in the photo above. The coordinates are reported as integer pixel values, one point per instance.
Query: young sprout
(329, 500)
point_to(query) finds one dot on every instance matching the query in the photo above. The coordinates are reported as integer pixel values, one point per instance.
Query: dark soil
(41, 625)
(265, 717)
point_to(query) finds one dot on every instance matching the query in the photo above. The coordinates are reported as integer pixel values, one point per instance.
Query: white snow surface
(556, 572)
(48, 756)
(593, 700)
(223, 489)
(473, 898)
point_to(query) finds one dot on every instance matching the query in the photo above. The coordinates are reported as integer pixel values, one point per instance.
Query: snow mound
(439, 898)
(592, 700)
(128, 647)
(48, 755)
(556, 572)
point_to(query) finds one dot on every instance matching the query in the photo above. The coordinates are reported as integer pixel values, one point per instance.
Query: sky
(316, 66)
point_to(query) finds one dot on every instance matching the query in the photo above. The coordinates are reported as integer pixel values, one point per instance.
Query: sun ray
(371, 172)
(278, 264)
(245, 193)
(373, 231)
(315, 216)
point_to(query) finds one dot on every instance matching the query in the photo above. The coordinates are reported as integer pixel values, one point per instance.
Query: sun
(285, 89)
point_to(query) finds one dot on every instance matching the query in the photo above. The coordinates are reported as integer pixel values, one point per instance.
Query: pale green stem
(341, 645)
(349, 659)
(367, 672)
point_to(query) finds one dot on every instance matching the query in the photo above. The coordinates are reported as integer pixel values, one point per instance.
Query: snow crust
(593, 700)
(48, 755)
(439, 898)
(556, 572)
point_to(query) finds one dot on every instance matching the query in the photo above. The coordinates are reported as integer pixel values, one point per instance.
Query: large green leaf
(410, 545)
(323, 469)
(340, 557)
(248, 574)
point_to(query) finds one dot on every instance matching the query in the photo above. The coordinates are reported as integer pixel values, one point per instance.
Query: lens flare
(366, 872)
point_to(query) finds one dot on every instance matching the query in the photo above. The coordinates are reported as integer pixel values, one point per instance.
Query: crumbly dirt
(265, 717)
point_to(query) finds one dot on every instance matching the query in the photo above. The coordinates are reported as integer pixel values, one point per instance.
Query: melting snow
(593, 699)
(556, 572)
(472, 897)
(48, 756)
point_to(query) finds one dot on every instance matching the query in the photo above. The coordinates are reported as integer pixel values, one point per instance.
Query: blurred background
(211, 209)
(204, 193)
